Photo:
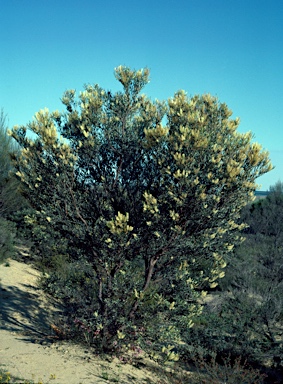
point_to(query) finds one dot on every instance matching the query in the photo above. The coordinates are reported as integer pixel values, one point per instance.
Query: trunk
(148, 277)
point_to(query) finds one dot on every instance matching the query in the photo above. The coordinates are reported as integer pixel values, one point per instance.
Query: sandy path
(27, 345)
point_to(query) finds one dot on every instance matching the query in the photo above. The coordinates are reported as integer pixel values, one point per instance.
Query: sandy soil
(28, 345)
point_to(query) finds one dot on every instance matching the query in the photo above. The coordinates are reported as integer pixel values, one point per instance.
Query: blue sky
(232, 49)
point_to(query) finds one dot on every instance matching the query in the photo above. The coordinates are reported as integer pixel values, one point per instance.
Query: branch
(76, 207)
(149, 272)
(118, 172)
(99, 277)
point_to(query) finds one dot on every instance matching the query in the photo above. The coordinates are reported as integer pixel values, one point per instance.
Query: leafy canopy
(147, 193)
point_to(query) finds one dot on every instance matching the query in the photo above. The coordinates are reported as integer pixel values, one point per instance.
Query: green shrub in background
(245, 316)
(11, 199)
(7, 239)
(228, 371)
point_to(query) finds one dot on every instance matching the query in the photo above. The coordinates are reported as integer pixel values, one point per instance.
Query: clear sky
(232, 49)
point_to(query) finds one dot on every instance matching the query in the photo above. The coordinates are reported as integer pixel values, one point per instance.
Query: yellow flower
(120, 335)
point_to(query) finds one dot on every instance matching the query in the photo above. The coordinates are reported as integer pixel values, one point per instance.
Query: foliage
(7, 239)
(249, 319)
(10, 197)
(144, 196)
(228, 371)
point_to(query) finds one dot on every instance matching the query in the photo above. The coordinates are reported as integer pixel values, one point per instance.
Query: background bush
(245, 319)
(11, 199)
(7, 239)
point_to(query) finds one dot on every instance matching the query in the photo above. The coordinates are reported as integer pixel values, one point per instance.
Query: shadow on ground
(24, 310)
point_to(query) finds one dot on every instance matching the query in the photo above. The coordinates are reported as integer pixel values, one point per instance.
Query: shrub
(227, 371)
(144, 196)
(7, 239)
